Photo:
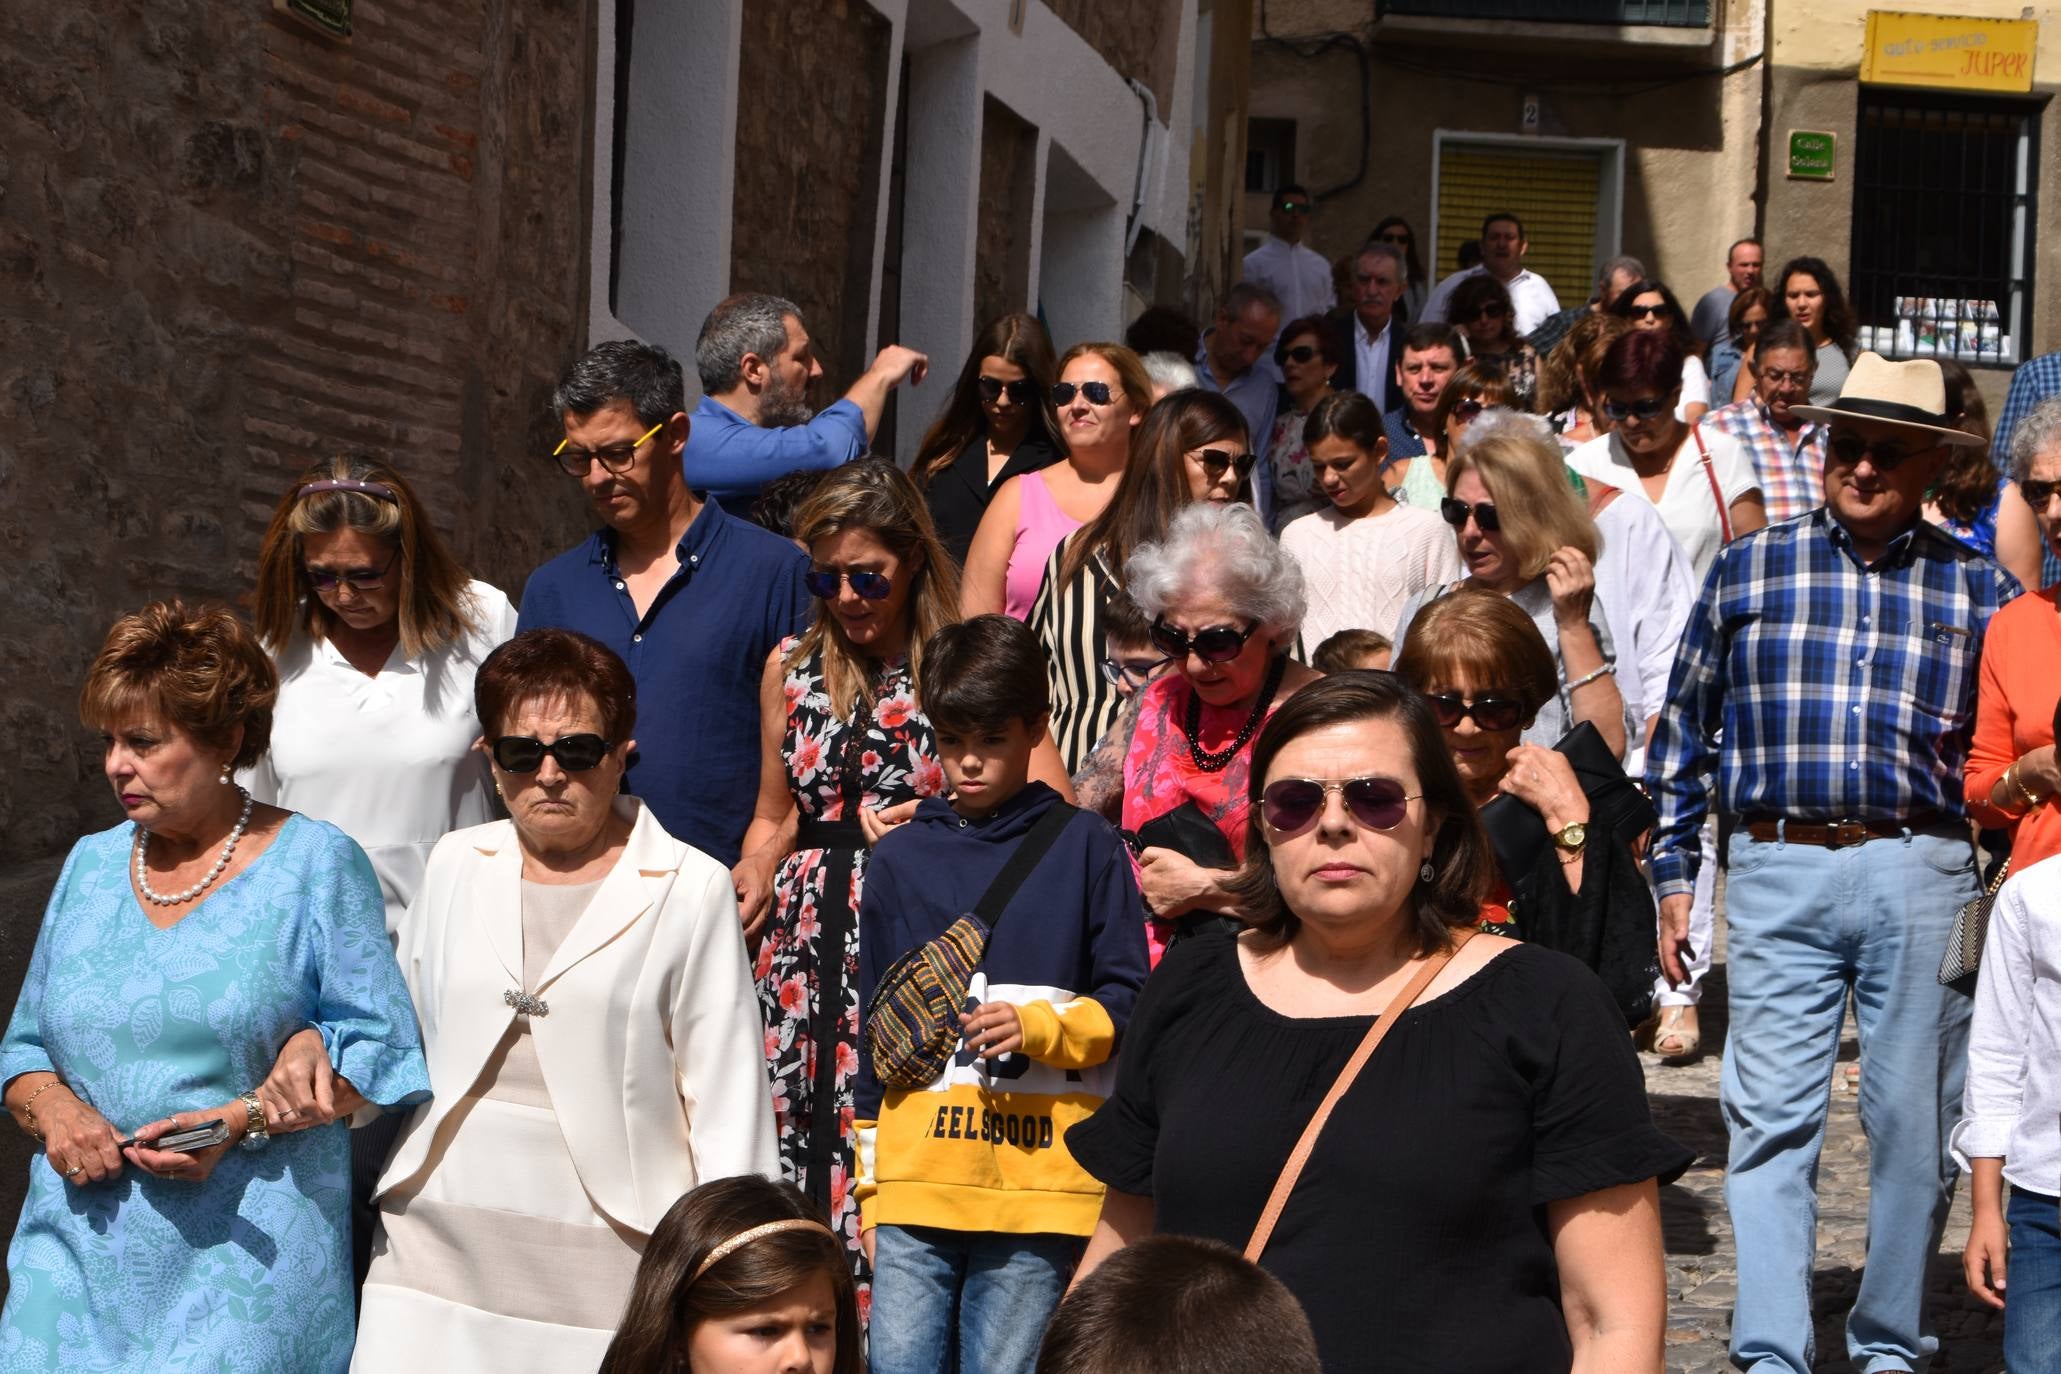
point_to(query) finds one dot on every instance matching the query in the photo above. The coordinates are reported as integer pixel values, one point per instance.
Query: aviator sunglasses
(1490, 713)
(525, 753)
(1292, 805)
(1020, 391)
(1456, 512)
(1217, 644)
(1097, 393)
(824, 582)
(357, 579)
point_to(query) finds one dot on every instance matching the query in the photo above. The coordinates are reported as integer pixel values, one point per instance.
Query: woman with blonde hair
(376, 631)
(846, 754)
(1102, 395)
(1523, 532)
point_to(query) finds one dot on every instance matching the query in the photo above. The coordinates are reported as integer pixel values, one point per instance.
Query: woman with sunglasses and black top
(1192, 447)
(998, 424)
(587, 1014)
(1650, 306)
(1486, 671)
(1480, 309)
(1485, 1195)
(1225, 603)
(1524, 532)
(1700, 479)
(1101, 396)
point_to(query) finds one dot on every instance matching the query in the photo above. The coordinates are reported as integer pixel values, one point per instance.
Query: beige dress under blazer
(650, 1057)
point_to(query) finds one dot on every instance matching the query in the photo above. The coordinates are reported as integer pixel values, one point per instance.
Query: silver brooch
(525, 1004)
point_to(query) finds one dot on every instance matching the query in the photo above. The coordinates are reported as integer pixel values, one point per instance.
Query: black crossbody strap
(1029, 854)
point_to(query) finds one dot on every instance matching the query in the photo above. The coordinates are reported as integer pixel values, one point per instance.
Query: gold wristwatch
(1572, 837)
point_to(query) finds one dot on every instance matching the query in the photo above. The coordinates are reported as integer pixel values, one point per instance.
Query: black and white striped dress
(1068, 621)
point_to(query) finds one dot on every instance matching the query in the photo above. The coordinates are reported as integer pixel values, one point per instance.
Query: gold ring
(75, 1169)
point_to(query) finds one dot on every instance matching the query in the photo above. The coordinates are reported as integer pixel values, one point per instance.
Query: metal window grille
(1943, 225)
(1674, 14)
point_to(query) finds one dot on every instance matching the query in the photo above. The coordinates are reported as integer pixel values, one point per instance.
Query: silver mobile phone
(204, 1136)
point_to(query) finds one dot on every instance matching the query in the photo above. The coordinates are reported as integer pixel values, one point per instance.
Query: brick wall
(1008, 156)
(810, 117)
(230, 246)
(1137, 38)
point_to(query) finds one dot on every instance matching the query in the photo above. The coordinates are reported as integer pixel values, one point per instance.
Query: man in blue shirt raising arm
(1838, 654)
(754, 423)
(691, 597)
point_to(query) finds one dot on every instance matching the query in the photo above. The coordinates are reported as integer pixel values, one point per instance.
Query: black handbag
(1617, 808)
(1189, 832)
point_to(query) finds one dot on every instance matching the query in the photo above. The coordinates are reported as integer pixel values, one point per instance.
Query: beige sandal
(1676, 1035)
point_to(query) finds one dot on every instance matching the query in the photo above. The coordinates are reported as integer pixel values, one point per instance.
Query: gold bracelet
(28, 1108)
(2031, 802)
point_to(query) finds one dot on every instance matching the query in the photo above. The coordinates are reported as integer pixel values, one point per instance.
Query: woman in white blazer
(592, 1037)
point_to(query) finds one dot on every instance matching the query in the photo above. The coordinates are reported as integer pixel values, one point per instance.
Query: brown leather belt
(1835, 834)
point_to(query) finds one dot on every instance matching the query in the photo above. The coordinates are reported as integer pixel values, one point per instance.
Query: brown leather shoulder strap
(1300, 1155)
(1717, 493)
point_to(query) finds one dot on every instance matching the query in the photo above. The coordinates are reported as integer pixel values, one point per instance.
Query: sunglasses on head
(1489, 712)
(1885, 454)
(1217, 644)
(1215, 460)
(525, 753)
(824, 582)
(1301, 353)
(1020, 391)
(1097, 393)
(1649, 409)
(1645, 312)
(1456, 512)
(1292, 805)
(2037, 492)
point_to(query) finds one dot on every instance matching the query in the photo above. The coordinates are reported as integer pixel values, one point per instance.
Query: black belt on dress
(817, 834)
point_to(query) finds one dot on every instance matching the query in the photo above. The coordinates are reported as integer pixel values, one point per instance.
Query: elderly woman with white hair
(1225, 602)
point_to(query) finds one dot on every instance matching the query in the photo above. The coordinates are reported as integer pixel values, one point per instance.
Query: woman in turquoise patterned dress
(180, 952)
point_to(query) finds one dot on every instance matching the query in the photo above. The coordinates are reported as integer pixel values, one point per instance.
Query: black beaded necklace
(1217, 760)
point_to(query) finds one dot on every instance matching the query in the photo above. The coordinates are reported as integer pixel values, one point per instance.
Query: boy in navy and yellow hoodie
(974, 1212)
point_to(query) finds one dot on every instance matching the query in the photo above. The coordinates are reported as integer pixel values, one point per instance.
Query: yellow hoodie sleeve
(865, 1178)
(1073, 1035)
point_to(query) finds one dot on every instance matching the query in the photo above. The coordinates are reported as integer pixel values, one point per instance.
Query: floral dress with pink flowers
(808, 963)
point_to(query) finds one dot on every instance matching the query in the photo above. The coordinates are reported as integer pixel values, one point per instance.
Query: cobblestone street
(1701, 1280)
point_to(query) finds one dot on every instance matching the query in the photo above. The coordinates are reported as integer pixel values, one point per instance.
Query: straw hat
(1908, 395)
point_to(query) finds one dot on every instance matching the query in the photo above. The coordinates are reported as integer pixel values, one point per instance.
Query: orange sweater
(2014, 715)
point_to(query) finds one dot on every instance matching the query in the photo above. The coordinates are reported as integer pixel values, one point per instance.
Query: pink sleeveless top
(1040, 525)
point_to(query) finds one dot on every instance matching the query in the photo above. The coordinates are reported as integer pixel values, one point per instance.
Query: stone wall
(811, 113)
(1137, 38)
(230, 246)
(1001, 268)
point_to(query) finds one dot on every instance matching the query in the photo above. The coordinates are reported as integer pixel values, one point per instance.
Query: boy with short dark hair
(974, 1211)
(1179, 1305)
(1351, 650)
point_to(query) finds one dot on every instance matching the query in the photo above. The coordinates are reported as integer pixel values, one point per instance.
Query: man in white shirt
(1503, 247)
(1712, 314)
(1298, 276)
(1370, 329)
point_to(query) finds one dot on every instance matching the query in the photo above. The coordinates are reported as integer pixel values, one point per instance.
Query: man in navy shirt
(754, 423)
(693, 598)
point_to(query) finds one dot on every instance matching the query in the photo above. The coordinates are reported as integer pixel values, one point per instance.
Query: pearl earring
(1427, 872)
(224, 779)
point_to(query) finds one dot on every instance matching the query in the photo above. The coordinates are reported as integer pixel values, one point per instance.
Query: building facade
(1664, 128)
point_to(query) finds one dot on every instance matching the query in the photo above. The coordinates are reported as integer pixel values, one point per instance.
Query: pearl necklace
(221, 861)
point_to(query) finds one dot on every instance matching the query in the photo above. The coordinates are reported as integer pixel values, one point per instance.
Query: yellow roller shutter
(1554, 192)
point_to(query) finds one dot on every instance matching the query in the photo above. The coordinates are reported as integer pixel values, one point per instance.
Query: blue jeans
(2032, 1299)
(1806, 926)
(971, 1300)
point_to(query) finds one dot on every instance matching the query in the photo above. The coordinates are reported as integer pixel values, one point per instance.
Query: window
(1566, 191)
(1269, 154)
(1943, 225)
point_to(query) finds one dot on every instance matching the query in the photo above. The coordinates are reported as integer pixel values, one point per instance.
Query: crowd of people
(1178, 877)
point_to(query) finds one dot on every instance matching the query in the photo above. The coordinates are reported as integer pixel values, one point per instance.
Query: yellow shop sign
(1948, 51)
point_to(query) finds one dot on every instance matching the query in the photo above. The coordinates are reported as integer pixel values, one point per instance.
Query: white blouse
(387, 759)
(2012, 1105)
(1687, 502)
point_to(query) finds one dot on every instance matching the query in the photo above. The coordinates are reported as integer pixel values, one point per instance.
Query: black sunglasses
(1492, 310)
(1020, 391)
(824, 582)
(1885, 454)
(1649, 409)
(2037, 492)
(1469, 409)
(359, 579)
(1215, 460)
(1301, 353)
(1292, 805)
(1456, 512)
(1217, 644)
(1400, 240)
(1642, 312)
(1490, 713)
(1098, 393)
(525, 753)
